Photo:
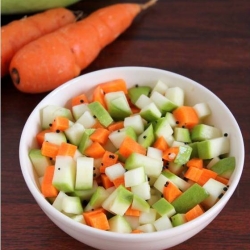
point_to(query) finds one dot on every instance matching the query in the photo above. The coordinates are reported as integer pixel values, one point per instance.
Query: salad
(131, 160)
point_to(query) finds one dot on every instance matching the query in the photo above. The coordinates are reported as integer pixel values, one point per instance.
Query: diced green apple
(162, 223)
(39, 161)
(72, 205)
(100, 113)
(119, 224)
(84, 173)
(117, 136)
(75, 133)
(134, 177)
(135, 92)
(209, 149)
(194, 195)
(225, 167)
(136, 122)
(152, 167)
(163, 207)
(203, 132)
(65, 174)
(50, 112)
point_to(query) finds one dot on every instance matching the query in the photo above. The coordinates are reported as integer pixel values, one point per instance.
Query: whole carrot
(55, 58)
(20, 32)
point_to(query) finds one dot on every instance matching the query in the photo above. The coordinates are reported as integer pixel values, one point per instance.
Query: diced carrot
(171, 192)
(119, 181)
(195, 162)
(193, 174)
(134, 109)
(137, 231)
(206, 175)
(97, 219)
(49, 149)
(115, 126)
(106, 182)
(114, 86)
(60, 124)
(67, 149)
(132, 212)
(161, 144)
(170, 153)
(40, 136)
(47, 188)
(186, 116)
(98, 96)
(95, 150)
(100, 135)
(108, 159)
(80, 99)
(98, 125)
(194, 213)
(129, 146)
(221, 179)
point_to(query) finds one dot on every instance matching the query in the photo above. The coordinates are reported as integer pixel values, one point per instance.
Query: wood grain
(207, 41)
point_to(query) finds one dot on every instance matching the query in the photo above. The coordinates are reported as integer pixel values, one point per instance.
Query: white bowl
(221, 117)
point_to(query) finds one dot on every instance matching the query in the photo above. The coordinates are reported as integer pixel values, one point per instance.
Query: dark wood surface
(208, 41)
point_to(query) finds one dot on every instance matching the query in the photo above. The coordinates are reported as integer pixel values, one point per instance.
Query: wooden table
(208, 41)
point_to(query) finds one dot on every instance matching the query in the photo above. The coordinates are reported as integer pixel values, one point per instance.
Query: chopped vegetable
(47, 188)
(19, 33)
(70, 49)
(130, 175)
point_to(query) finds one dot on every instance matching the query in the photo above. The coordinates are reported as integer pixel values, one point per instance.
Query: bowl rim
(45, 205)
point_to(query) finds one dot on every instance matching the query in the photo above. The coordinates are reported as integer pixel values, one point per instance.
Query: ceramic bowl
(194, 92)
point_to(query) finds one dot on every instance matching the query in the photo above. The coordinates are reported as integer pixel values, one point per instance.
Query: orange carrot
(171, 192)
(70, 49)
(206, 174)
(221, 179)
(48, 190)
(119, 181)
(97, 219)
(136, 231)
(195, 162)
(132, 212)
(193, 174)
(20, 32)
(67, 149)
(186, 116)
(49, 149)
(134, 109)
(116, 126)
(194, 213)
(106, 182)
(108, 159)
(161, 144)
(114, 85)
(97, 125)
(98, 96)
(40, 136)
(170, 153)
(129, 146)
(80, 99)
(100, 135)
(95, 150)
(60, 123)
